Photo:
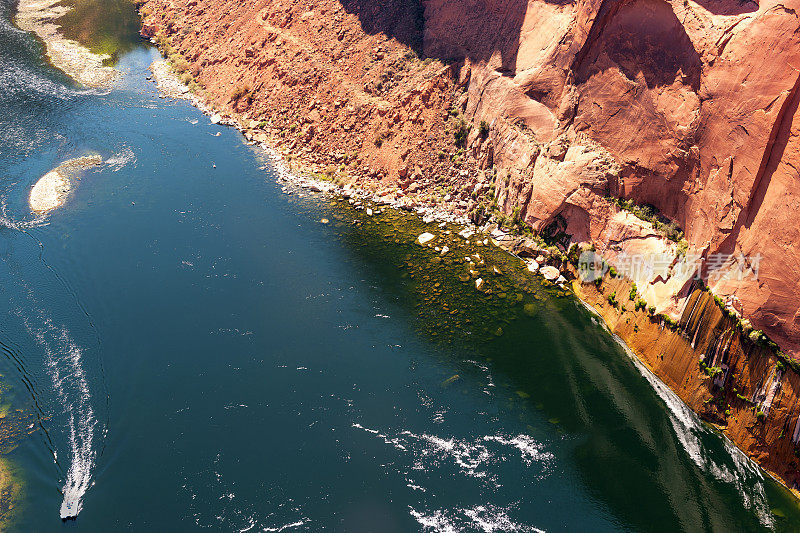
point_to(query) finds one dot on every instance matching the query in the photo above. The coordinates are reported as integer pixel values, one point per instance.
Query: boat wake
(70, 410)
(63, 359)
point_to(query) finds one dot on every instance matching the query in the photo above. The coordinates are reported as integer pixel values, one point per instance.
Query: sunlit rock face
(695, 103)
(686, 105)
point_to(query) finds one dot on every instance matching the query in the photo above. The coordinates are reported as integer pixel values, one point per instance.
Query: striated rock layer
(745, 391)
(547, 110)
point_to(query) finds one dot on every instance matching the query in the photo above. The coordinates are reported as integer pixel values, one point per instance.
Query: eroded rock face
(688, 105)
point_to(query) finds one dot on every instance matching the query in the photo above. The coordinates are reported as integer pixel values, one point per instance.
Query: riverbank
(673, 359)
(742, 389)
(78, 62)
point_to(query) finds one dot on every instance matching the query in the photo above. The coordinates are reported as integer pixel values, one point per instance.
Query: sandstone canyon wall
(548, 110)
(687, 105)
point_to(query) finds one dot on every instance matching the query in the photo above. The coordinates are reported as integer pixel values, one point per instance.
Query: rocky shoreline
(652, 338)
(292, 171)
(75, 60)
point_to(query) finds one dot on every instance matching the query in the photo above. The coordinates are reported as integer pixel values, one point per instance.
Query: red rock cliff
(688, 105)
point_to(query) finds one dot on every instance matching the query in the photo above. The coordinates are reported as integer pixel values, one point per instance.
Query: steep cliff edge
(549, 112)
(546, 107)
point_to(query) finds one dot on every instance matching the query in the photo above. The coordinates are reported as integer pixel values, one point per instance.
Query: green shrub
(669, 322)
(650, 214)
(612, 299)
(757, 336)
(745, 399)
(640, 305)
(634, 293)
(483, 129)
(460, 133)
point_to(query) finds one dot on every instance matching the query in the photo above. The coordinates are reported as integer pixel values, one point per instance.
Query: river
(197, 350)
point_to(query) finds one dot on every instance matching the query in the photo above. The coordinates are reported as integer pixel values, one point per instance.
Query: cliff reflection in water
(536, 347)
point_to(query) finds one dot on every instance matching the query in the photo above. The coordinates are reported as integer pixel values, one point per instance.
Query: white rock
(479, 283)
(52, 189)
(550, 273)
(445, 249)
(49, 192)
(466, 233)
(215, 118)
(369, 211)
(496, 271)
(425, 238)
(561, 280)
(533, 266)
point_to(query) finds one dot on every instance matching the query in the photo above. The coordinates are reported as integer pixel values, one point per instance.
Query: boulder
(550, 273)
(425, 238)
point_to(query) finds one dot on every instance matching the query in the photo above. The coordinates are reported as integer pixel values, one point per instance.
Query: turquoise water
(200, 352)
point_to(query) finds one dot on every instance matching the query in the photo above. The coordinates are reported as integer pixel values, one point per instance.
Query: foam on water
(485, 518)
(475, 458)
(741, 472)
(122, 158)
(8, 221)
(472, 457)
(63, 358)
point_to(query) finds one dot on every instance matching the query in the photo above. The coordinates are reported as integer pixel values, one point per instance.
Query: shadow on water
(656, 469)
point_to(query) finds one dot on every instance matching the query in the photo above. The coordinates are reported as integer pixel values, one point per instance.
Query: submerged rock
(425, 238)
(466, 233)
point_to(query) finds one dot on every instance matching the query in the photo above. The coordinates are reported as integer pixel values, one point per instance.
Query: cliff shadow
(451, 31)
(642, 37)
(729, 7)
(399, 19)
